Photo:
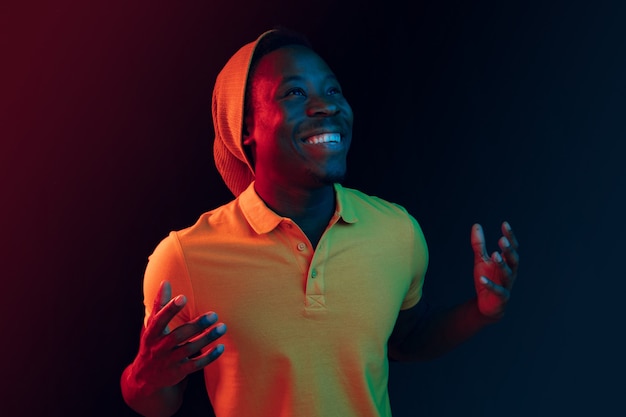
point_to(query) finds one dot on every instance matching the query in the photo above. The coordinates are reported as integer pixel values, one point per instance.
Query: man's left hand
(494, 275)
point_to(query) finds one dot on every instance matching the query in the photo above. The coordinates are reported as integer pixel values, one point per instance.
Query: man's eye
(334, 90)
(295, 92)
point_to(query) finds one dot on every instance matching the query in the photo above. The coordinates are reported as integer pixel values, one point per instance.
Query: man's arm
(163, 402)
(421, 334)
(153, 384)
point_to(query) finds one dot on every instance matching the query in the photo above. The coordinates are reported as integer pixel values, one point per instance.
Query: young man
(319, 284)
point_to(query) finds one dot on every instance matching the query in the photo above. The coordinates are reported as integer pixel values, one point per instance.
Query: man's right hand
(166, 357)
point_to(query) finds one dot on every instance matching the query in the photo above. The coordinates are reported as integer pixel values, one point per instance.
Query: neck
(310, 209)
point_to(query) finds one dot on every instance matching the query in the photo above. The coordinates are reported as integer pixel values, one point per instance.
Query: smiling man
(320, 284)
(298, 133)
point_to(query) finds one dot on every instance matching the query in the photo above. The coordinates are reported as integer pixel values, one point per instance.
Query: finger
(507, 231)
(199, 362)
(187, 331)
(162, 297)
(157, 326)
(478, 244)
(509, 253)
(505, 271)
(194, 346)
(499, 290)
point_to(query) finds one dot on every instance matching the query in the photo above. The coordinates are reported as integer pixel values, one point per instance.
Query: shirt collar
(263, 220)
(345, 208)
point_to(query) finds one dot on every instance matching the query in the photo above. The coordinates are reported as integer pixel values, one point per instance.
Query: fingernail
(507, 226)
(221, 329)
(506, 242)
(208, 319)
(180, 300)
(498, 257)
(484, 280)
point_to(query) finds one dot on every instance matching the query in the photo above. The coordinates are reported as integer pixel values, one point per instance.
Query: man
(319, 284)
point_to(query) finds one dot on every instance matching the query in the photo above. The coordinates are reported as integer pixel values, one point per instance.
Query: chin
(329, 178)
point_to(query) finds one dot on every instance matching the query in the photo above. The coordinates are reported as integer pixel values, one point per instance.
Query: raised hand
(166, 357)
(494, 275)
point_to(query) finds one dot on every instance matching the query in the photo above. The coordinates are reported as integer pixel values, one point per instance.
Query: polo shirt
(307, 327)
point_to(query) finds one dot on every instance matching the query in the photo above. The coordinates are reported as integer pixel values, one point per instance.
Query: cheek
(348, 110)
(273, 134)
(268, 121)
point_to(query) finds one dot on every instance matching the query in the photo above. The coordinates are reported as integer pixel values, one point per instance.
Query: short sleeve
(419, 265)
(167, 263)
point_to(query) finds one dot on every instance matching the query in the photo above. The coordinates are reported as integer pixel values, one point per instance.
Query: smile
(323, 138)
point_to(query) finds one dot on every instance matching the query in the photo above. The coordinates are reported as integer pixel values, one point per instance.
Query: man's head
(296, 126)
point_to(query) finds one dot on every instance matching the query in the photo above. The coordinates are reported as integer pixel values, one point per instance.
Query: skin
(295, 95)
(153, 384)
(494, 275)
(415, 338)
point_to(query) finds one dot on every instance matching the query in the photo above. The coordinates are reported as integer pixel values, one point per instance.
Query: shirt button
(313, 273)
(301, 246)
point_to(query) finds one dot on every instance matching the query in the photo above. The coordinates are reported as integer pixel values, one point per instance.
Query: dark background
(468, 111)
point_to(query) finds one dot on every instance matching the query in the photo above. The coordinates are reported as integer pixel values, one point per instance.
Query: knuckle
(190, 349)
(178, 336)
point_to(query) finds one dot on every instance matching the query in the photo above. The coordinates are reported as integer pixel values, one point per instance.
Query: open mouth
(324, 138)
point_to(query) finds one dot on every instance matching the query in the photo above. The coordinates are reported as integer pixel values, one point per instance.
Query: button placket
(315, 285)
(294, 238)
(315, 297)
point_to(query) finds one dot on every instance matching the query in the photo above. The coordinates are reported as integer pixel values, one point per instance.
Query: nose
(320, 105)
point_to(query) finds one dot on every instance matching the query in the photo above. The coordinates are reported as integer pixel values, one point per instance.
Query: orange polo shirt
(307, 329)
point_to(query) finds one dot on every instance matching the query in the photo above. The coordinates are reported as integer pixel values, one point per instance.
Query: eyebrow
(300, 78)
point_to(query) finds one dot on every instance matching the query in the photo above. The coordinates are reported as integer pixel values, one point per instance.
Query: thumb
(163, 296)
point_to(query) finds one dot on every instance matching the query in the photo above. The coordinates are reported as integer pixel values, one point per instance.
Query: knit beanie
(227, 109)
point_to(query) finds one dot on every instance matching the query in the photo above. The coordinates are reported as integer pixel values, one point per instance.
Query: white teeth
(324, 138)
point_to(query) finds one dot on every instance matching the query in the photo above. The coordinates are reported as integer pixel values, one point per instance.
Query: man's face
(299, 126)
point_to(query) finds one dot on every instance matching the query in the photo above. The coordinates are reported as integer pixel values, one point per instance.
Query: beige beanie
(228, 107)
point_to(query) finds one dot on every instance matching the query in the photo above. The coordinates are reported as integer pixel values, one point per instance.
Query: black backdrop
(468, 111)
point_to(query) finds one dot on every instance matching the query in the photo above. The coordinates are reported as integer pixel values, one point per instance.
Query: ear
(245, 133)
(246, 139)
(248, 143)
